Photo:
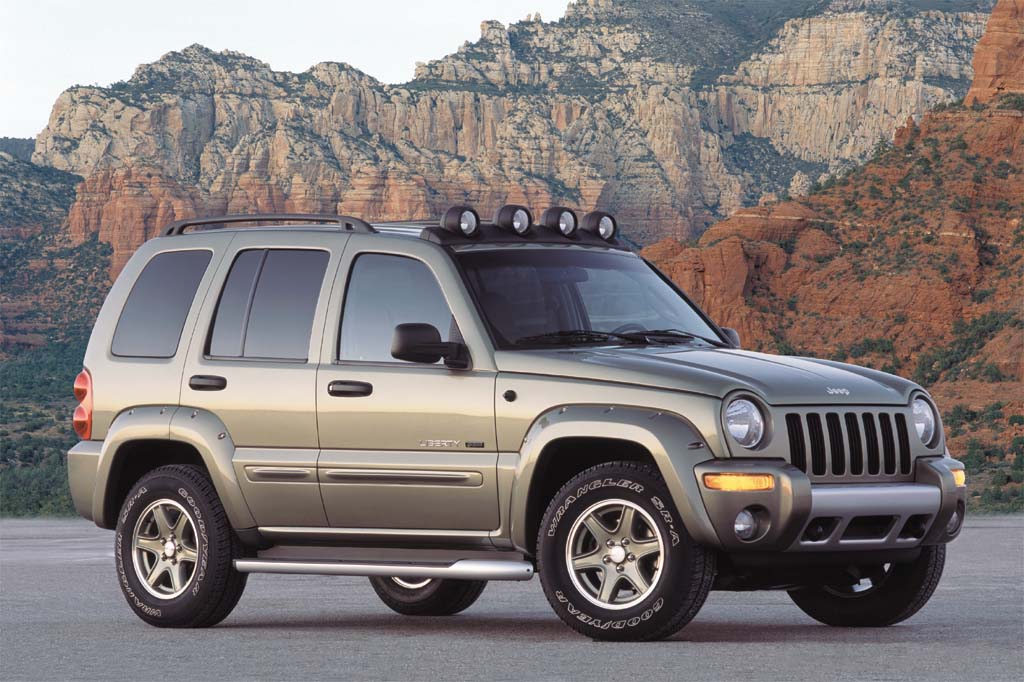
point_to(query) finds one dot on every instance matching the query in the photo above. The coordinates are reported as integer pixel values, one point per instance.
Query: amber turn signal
(739, 482)
(959, 477)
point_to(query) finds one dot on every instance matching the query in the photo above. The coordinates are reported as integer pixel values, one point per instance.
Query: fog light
(745, 525)
(960, 477)
(954, 522)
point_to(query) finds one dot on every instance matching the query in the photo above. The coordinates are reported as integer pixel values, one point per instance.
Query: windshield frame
(498, 345)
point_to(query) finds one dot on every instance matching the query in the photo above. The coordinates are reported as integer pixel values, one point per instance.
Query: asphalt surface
(62, 616)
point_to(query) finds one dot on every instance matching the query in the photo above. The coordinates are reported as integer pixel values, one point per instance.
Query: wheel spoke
(609, 586)
(152, 545)
(597, 529)
(181, 525)
(163, 523)
(187, 554)
(593, 559)
(635, 578)
(154, 573)
(625, 527)
(642, 548)
(177, 572)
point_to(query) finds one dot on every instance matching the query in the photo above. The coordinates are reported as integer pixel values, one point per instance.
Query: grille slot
(871, 436)
(904, 439)
(797, 447)
(818, 463)
(845, 445)
(835, 444)
(856, 448)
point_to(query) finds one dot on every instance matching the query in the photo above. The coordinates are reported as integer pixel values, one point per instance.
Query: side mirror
(418, 342)
(732, 336)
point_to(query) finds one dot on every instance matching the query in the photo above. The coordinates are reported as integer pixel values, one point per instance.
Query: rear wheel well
(564, 458)
(135, 459)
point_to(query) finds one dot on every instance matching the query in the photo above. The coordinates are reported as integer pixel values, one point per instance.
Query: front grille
(848, 445)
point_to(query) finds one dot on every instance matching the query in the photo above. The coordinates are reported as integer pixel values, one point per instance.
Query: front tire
(427, 597)
(885, 596)
(175, 550)
(614, 557)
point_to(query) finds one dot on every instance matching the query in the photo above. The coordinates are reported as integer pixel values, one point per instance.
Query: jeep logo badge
(837, 391)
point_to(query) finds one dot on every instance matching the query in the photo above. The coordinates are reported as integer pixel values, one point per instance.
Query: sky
(48, 45)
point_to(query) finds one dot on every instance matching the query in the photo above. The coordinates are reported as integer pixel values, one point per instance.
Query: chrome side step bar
(464, 569)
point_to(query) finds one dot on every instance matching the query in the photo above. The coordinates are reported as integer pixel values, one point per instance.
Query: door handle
(206, 382)
(349, 389)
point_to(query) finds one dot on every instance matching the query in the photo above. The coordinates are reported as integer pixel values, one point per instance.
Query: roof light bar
(560, 219)
(515, 218)
(461, 220)
(602, 224)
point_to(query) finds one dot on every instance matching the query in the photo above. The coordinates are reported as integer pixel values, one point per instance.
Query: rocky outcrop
(609, 107)
(999, 58)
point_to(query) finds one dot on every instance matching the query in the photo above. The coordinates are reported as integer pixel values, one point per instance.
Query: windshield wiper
(578, 336)
(678, 334)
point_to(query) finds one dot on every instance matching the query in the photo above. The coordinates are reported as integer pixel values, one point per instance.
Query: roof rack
(345, 223)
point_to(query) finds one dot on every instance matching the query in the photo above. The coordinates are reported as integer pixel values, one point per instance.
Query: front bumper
(798, 517)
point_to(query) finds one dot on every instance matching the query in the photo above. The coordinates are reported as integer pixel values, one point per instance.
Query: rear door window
(154, 315)
(267, 305)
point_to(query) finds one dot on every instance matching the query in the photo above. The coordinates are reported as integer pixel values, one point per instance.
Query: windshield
(540, 298)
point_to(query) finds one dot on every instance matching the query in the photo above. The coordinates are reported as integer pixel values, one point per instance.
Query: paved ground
(63, 617)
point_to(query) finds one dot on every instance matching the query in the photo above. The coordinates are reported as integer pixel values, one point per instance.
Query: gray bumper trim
(847, 502)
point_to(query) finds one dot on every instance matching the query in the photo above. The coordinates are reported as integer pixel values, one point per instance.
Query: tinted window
(229, 327)
(384, 292)
(267, 305)
(153, 316)
(525, 294)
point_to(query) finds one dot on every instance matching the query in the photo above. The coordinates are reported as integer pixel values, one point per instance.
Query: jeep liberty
(434, 406)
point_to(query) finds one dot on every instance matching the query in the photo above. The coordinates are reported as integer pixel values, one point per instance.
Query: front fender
(676, 445)
(198, 428)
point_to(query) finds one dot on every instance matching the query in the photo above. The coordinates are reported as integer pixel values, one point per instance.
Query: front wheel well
(564, 458)
(135, 459)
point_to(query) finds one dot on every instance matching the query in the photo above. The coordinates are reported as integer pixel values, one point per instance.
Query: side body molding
(198, 428)
(670, 438)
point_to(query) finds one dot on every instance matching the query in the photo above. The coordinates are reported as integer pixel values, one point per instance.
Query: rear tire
(175, 550)
(615, 559)
(432, 597)
(900, 592)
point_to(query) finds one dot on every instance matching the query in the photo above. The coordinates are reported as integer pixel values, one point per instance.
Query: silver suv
(439, 405)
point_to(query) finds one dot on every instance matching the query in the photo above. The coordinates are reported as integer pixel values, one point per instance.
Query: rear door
(404, 445)
(253, 362)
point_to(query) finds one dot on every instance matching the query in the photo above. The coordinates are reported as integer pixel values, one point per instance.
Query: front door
(403, 445)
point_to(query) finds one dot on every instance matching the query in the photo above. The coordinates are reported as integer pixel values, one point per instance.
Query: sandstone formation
(671, 114)
(999, 59)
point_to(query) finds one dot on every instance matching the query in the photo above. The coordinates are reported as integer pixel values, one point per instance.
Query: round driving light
(745, 423)
(520, 221)
(561, 220)
(924, 420)
(745, 525)
(602, 224)
(954, 523)
(461, 220)
(515, 218)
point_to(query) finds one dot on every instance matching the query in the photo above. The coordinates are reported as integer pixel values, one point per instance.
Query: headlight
(745, 422)
(924, 420)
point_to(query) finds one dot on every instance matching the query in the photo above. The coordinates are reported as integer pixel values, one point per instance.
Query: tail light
(82, 421)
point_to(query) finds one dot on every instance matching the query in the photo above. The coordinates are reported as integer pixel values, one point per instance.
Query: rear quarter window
(154, 315)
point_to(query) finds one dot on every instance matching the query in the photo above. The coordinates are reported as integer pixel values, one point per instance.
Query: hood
(778, 380)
